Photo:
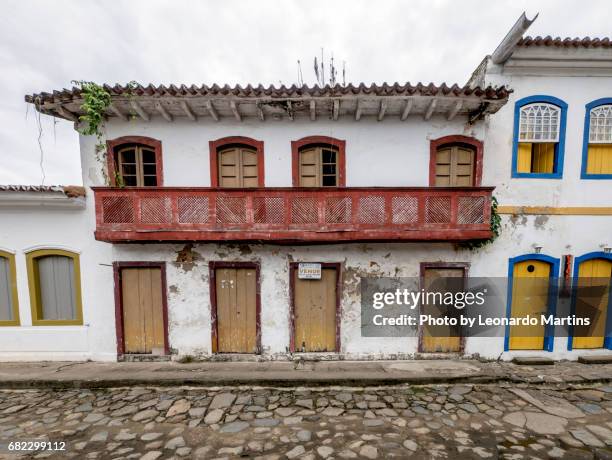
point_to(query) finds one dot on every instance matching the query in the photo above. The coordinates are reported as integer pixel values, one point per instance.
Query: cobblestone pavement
(431, 421)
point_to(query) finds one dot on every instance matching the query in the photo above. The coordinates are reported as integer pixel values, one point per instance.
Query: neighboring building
(208, 198)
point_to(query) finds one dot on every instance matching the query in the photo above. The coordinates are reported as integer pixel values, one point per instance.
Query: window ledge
(517, 175)
(595, 176)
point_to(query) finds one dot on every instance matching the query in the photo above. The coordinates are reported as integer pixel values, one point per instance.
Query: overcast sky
(46, 44)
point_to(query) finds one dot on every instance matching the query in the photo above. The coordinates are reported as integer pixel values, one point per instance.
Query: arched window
(597, 149)
(455, 161)
(135, 161)
(55, 287)
(539, 137)
(9, 305)
(318, 161)
(236, 162)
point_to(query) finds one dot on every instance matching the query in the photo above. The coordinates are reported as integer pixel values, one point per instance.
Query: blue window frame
(559, 149)
(586, 138)
(549, 331)
(608, 337)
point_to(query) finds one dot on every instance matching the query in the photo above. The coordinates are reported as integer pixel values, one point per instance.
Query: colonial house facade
(205, 204)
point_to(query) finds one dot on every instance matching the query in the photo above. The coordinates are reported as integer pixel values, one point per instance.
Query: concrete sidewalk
(287, 373)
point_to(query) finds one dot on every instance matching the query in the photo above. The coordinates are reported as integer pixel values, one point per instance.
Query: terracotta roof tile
(568, 42)
(293, 91)
(71, 191)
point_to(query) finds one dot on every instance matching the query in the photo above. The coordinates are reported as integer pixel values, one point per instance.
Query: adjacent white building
(205, 203)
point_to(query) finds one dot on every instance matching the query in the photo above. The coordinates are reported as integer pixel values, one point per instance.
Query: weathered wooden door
(530, 296)
(315, 312)
(455, 166)
(143, 317)
(440, 339)
(236, 293)
(592, 302)
(238, 167)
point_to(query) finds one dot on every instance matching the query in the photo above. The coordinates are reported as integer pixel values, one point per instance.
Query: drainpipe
(504, 50)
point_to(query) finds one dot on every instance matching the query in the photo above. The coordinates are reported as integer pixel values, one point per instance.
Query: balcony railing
(292, 215)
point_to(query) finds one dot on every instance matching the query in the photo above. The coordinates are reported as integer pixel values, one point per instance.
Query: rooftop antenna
(332, 71)
(299, 75)
(316, 69)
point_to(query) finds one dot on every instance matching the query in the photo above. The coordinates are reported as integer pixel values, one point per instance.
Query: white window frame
(600, 124)
(534, 120)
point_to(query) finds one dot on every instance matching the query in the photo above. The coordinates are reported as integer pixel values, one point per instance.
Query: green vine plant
(495, 229)
(95, 102)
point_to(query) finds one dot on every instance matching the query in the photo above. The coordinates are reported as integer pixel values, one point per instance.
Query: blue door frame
(608, 332)
(549, 331)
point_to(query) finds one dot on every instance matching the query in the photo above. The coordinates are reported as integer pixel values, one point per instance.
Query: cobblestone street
(432, 421)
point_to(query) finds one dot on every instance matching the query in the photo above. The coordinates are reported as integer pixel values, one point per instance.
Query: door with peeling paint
(236, 300)
(315, 312)
(440, 339)
(142, 306)
(592, 301)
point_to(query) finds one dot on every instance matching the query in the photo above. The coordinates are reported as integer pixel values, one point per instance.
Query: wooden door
(440, 339)
(593, 287)
(455, 166)
(238, 167)
(236, 301)
(143, 311)
(530, 296)
(314, 310)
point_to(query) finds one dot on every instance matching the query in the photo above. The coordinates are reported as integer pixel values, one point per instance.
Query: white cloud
(44, 45)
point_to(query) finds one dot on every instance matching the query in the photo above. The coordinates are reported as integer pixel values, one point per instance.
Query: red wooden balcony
(292, 215)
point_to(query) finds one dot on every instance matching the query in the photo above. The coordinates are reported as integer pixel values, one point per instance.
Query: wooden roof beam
(212, 111)
(430, 109)
(455, 110)
(188, 111)
(260, 112)
(163, 112)
(113, 108)
(358, 110)
(290, 110)
(407, 109)
(336, 109)
(382, 109)
(235, 110)
(140, 111)
(313, 110)
(67, 114)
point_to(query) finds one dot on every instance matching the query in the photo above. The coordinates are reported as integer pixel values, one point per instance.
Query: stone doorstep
(595, 359)
(532, 361)
(142, 358)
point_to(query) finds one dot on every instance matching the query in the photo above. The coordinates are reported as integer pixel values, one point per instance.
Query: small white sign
(309, 271)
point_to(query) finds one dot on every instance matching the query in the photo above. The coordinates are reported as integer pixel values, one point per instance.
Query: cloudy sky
(46, 44)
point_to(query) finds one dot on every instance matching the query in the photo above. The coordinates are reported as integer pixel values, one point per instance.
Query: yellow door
(236, 291)
(440, 339)
(143, 323)
(530, 294)
(592, 303)
(315, 312)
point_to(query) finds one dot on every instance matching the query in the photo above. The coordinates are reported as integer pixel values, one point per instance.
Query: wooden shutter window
(56, 289)
(318, 167)
(455, 166)
(599, 159)
(136, 166)
(238, 167)
(536, 157)
(6, 296)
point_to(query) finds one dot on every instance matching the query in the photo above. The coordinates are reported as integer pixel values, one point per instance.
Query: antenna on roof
(319, 70)
(299, 73)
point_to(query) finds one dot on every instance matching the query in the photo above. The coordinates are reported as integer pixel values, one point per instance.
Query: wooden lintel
(67, 114)
(211, 109)
(407, 109)
(382, 109)
(113, 108)
(455, 110)
(430, 109)
(235, 111)
(336, 109)
(188, 111)
(313, 110)
(290, 110)
(358, 110)
(140, 111)
(163, 112)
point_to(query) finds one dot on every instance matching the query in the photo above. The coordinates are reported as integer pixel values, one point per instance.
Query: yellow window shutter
(523, 157)
(599, 159)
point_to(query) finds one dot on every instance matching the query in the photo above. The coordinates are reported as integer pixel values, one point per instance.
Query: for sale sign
(309, 271)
